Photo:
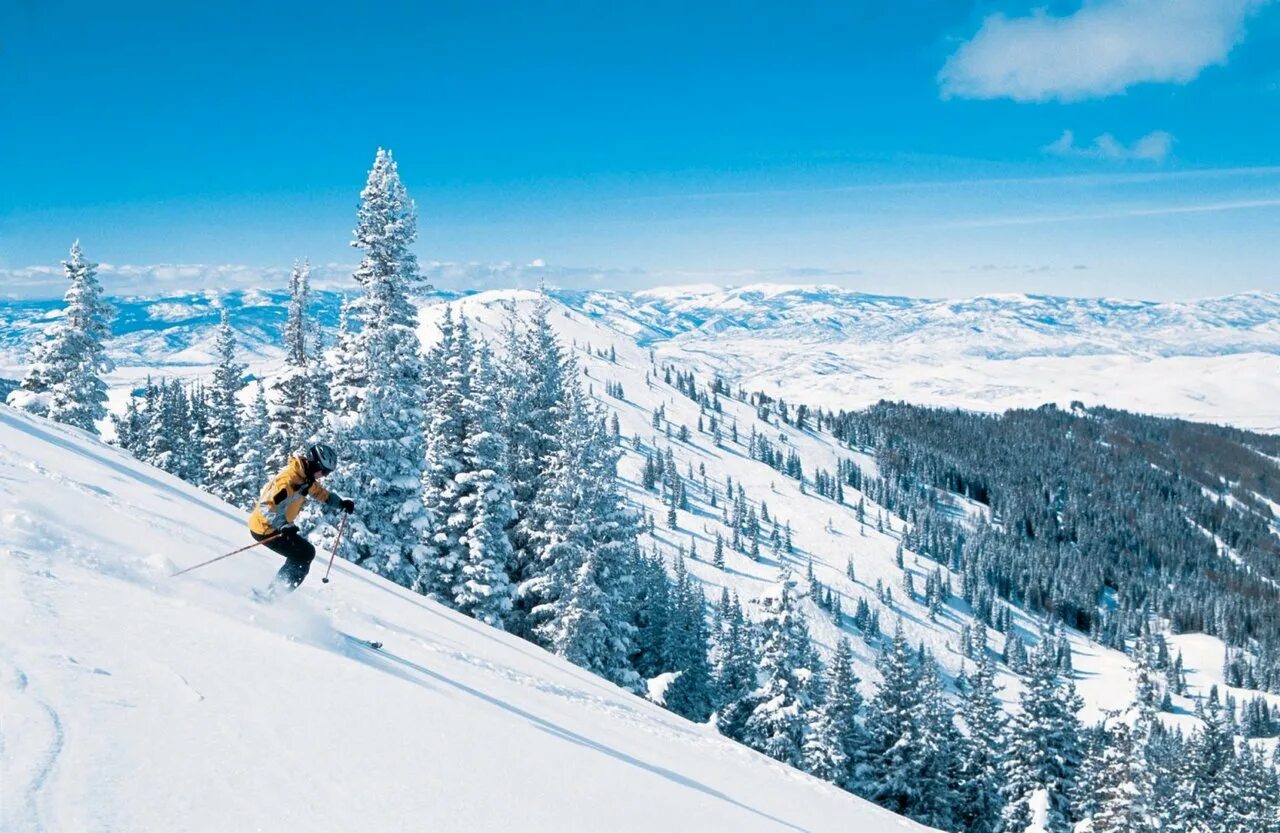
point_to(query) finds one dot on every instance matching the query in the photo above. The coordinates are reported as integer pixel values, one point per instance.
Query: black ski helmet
(323, 457)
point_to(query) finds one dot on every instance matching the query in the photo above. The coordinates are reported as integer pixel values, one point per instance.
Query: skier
(279, 504)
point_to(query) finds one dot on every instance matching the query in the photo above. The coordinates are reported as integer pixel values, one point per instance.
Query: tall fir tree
(691, 693)
(252, 454)
(536, 377)
(64, 379)
(838, 743)
(381, 454)
(1044, 751)
(894, 775)
(290, 410)
(448, 386)
(484, 588)
(776, 722)
(736, 674)
(982, 752)
(224, 415)
(1122, 784)
(585, 544)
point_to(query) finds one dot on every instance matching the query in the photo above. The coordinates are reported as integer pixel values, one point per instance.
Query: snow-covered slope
(130, 701)
(824, 531)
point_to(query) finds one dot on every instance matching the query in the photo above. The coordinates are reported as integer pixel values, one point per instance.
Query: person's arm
(332, 500)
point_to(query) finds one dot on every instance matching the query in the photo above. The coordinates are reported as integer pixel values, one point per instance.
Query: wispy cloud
(961, 183)
(1153, 147)
(1102, 49)
(1118, 213)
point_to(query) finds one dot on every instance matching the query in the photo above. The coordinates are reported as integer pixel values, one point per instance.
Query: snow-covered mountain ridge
(999, 326)
(827, 346)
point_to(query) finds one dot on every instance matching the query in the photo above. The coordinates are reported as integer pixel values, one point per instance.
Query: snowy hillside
(825, 532)
(133, 701)
(823, 345)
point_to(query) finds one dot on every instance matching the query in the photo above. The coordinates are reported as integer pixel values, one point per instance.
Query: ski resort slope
(131, 701)
(827, 534)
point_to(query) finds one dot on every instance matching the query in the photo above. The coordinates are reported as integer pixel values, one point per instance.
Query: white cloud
(1102, 49)
(1153, 147)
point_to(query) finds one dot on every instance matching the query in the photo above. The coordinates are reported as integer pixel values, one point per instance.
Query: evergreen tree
(484, 589)
(1204, 791)
(197, 435)
(895, 720)
(290, 410)
(534, 378)
(585, 546)
(381, 444)
(837, 745)
(735, 671)
(64, 380)
(1044, 747)
(1123, 784)
(224, 415)
(777, 710)
(251, 472)
(448, 386)
(982, 752)
(691, 693)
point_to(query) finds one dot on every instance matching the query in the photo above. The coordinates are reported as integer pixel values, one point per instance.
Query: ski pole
(334, 551)
(228, 555)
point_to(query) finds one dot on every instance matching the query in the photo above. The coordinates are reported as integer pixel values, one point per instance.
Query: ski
(367, 643)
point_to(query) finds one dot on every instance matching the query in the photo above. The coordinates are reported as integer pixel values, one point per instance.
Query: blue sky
(936, 147)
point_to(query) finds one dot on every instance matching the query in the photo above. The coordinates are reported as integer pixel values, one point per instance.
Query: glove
(348, 505)
(289, 531)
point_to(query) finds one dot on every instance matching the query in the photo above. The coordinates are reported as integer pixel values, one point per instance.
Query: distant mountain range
(1215, 359)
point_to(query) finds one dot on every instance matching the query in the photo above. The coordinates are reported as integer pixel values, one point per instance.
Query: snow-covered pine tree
(837, 744)
(197, 432)
(381, 444)
(128, 426)
(484, 588)
(1122, 782)
(736, 674)
(894, 726)
(224, 415)
(163, 428)
(982, 753)
(585, 544)
(289, 408)
(448, 386)
(940, 770)
(1043, 757)
(1205, 793)
(64, 380)
(653, 616)
(691, 693)
(345, 363)
(251, 469)
(776, 723)
(534, 377)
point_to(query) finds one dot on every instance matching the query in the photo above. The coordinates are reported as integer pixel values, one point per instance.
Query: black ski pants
(298, 553)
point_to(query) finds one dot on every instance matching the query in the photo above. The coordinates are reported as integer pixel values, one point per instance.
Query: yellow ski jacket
(281, 499)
